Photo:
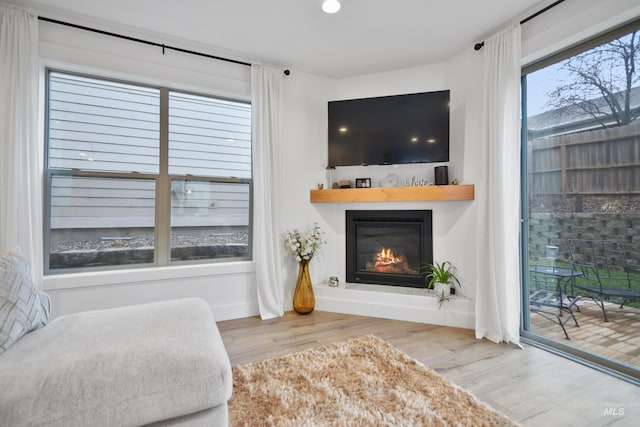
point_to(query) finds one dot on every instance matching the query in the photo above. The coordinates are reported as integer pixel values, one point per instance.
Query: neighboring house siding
(103, 128)
(115, 128)
(575, 119)
(209, 137)
(98, 202)
(210, 204)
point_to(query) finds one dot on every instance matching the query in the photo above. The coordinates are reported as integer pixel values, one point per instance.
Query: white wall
(231, 289)
(305, 158)
(572, 22)
(453, 222)
(228, 287)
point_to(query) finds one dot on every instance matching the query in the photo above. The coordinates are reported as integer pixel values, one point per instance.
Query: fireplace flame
(385, 261)
(386, 257)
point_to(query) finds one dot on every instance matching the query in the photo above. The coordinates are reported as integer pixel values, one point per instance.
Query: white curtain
(266, 82)
(498, 289)
(20, 150)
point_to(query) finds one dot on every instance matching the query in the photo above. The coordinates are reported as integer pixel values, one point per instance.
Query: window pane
(583, 195)
(209, 137)
(103, 134)
(101, 221)
(101, 125)
(209, 220)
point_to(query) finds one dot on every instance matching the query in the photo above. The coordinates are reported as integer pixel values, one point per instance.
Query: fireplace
(388, 247)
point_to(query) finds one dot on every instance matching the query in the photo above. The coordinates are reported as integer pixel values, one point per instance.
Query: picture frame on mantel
(363, 182)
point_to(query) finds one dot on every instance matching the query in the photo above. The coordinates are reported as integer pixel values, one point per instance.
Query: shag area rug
(364, 381)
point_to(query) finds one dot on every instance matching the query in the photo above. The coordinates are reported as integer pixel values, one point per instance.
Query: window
(143, 175)
(581, 202)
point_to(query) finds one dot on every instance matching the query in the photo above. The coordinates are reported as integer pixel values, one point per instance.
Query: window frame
(162, 209)
(612, 367)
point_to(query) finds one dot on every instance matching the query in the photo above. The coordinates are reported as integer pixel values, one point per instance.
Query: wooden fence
(596, 162)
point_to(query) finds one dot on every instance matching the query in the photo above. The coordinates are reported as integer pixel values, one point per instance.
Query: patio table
(554, 296)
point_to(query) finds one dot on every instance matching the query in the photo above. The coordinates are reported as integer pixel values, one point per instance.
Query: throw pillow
(22, 307)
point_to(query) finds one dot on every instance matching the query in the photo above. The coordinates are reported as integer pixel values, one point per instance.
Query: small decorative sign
(415, 182)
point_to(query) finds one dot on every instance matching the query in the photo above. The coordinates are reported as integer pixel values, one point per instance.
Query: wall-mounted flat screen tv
(399, 129)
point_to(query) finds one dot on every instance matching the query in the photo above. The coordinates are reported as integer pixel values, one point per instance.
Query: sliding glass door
(581, 209)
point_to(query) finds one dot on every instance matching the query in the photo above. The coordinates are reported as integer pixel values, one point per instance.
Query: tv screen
(399, 129)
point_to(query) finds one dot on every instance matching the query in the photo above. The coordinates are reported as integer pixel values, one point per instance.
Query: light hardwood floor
(530, 385)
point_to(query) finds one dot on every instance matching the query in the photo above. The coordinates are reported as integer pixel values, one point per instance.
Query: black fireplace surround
(388, 247)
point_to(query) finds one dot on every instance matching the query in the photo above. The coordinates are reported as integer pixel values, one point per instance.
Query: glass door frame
(595, 361)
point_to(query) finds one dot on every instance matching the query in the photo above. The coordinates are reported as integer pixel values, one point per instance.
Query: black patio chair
(608, 273)
(548, 299)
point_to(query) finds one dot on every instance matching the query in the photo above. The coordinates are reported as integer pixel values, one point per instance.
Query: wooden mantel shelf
(394, 194)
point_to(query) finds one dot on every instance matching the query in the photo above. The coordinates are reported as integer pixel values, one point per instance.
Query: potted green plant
(441, 276)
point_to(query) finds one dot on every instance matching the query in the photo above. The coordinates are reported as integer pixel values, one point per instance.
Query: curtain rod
(478, 46)
(147, 42)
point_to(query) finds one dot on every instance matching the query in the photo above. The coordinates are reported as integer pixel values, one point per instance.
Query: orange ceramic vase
(303, 299)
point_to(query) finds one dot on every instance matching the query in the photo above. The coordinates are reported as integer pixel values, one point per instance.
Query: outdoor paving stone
(618, 339)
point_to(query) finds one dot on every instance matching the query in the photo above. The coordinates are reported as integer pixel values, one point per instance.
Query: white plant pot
(441, 288)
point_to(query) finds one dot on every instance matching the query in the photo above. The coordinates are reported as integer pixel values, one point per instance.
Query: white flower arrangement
(304, 244)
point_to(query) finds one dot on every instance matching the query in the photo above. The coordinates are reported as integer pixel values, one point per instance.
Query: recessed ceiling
(364, 37)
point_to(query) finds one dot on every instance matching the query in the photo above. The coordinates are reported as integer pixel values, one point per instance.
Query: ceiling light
(331, 6)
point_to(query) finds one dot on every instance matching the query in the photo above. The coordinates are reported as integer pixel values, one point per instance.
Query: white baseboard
(235, 311)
